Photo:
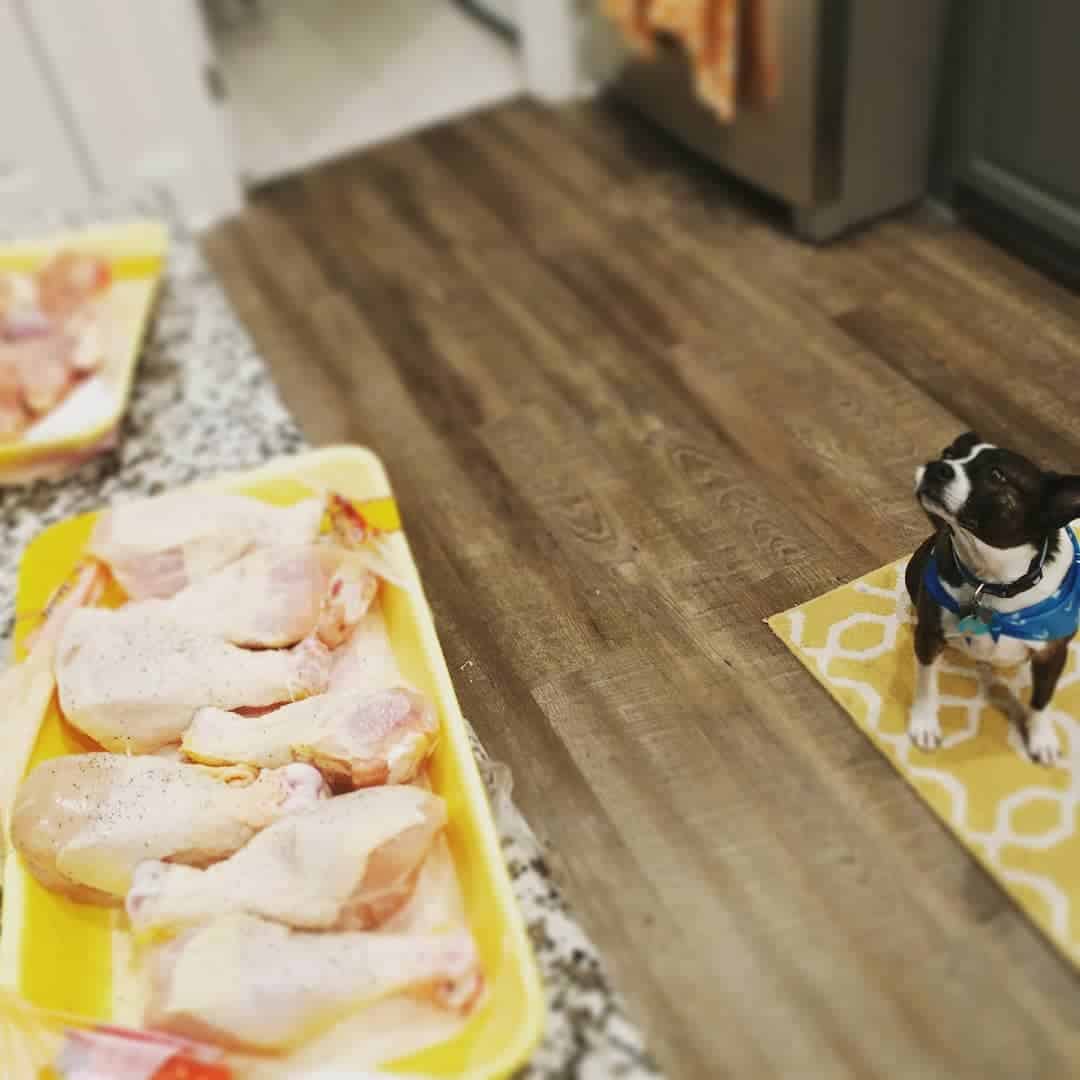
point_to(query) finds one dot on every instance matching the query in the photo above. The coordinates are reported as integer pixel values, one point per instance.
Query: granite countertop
(204, 403)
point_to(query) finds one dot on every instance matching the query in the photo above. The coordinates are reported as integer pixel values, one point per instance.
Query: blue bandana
(1058, 616)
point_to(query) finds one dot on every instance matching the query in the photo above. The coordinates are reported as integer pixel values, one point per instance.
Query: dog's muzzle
(934, 484)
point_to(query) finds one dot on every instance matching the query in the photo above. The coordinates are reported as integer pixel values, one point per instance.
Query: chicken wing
(355, 738)
(345, 864)
(245, 982)
(83, 822)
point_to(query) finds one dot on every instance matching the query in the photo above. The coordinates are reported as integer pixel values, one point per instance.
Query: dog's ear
(1061, 500)
(962, 444)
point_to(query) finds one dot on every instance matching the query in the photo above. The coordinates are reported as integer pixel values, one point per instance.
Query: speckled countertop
(204, 403)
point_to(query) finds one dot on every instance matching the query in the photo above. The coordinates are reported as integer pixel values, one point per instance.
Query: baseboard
(1042, 249)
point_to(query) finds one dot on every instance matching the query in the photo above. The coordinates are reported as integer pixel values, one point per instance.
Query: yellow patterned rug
(1019, 819)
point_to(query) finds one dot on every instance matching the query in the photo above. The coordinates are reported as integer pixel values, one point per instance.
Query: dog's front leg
(924, 724)
(1043, 743)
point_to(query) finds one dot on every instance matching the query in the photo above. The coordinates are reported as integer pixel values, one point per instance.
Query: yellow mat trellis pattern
(1018, 818)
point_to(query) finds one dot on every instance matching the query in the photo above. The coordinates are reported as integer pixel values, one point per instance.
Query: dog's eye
(997, 476)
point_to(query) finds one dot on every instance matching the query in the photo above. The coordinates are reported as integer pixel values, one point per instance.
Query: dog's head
(997, 495)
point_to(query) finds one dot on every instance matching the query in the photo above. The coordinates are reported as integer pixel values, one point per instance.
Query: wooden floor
(627, 418)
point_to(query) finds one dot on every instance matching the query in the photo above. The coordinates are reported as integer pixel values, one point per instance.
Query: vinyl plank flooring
(627, 418)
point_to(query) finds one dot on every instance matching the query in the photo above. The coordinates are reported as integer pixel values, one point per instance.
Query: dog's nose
(940, 472)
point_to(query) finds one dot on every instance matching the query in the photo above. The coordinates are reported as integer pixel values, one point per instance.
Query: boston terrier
(999, 579)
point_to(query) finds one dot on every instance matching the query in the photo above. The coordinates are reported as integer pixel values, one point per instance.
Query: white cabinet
(41, 164)
(108, 95)
(133, 78)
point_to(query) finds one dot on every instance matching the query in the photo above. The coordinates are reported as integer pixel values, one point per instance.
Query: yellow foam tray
(1020, 820)
(136, 255)
(63, 956)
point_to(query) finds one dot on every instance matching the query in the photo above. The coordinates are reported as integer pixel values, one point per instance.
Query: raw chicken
(366, 661)
(119, 1053)
(14, 419)
(348, 525)
(89, 352)
(276, 596)
(49, 336)
(34, 304)
(246, 982)
(44, 366)
(82, 588)
(14, 415)
(28, 687)
(132, 678)
(436, 905)
(35, 374)
(20, 312)
(346, 864)
(348, 596)
(83, 822)
(156, 547)
(267, 599)
(354, 738)
(68, 281)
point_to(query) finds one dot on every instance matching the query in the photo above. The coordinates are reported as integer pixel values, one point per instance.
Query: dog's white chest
(1003, 652)
(983, 649)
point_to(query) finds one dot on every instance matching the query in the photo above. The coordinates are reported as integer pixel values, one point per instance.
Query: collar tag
(975, 611)
(972, 626)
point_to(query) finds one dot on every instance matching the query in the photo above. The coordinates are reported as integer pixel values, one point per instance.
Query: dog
(999, 578)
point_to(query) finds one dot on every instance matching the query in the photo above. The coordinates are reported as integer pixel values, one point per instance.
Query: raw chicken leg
(156, 547)
(349, 594)
(276, 596)
(366, 661)
(436, 905)
(354, 737)
(346, 864)
(251, 983)
(29, 686)
(132, 678)
(82, 823)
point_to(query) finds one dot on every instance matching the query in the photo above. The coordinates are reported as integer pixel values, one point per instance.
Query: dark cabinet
(1012, 144)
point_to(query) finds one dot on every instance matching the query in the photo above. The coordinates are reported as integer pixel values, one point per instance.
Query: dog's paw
(924, 730)
(1043, 743)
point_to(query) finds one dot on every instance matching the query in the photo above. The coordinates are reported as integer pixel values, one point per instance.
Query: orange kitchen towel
(759, 52)
(732, 44)
(632, 19)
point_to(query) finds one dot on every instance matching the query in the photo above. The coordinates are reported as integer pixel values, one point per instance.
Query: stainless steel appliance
(848, 139)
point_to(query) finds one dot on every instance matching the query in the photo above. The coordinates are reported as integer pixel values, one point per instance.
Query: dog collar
(1009, 589)
(1058, 616)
